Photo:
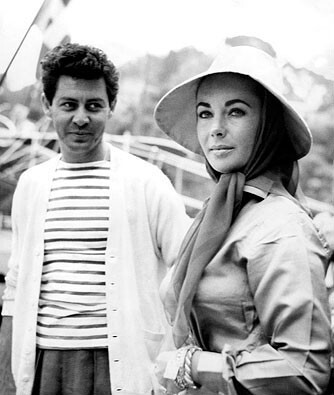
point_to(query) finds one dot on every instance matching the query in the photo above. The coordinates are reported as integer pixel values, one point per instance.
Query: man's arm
(168, 216)
(7, 386)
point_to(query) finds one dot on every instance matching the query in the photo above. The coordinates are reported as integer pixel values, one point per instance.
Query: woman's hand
(206, 372)
(167, 358)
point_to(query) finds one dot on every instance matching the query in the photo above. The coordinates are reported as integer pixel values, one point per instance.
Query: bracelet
(179, 379)
(183, 378)
(188, 364)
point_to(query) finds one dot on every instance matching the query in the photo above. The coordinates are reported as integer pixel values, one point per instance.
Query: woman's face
(228, 115)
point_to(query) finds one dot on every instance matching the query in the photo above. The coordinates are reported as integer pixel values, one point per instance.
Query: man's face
(79, 111)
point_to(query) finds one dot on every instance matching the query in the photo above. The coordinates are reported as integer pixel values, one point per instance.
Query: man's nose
(81, 117)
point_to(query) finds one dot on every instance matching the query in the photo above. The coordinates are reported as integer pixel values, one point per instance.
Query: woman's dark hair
(274, 150)
(80, 62)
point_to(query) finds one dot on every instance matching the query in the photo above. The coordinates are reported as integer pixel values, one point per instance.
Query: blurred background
(157, 44)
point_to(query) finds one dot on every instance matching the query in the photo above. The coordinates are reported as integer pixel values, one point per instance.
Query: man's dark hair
(80, 62)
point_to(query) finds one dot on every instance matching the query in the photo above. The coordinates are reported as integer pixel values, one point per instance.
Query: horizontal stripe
(83, 177)
(74, 240)
(78, 197)
(87, 168)
(73, 282)
(72, 326)
(78, 219)
(50, 304)
(77, 316)
(79, 187)
(59, 291)
(74, 271)
(79, 208)
(73, 261)
(72, 337)
(72, 250)
(76, 229)
(72, 347)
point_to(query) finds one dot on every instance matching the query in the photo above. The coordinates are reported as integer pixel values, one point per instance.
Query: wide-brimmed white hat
(175, 113)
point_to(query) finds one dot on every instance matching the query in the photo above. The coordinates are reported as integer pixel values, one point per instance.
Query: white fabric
(147, 223)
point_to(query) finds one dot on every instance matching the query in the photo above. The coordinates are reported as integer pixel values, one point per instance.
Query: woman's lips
(221, 148)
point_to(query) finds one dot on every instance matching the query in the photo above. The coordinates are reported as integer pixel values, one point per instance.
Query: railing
(182, 166)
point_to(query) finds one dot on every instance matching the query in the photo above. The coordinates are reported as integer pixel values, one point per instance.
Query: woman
(247, 299)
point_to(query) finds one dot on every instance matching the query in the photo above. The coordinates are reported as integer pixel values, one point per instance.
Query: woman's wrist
(194, 364)
(179, 368)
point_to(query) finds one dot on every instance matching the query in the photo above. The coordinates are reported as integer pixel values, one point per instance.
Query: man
(93, 233)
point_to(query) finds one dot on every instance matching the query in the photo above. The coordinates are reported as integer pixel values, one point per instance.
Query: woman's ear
(46, 106)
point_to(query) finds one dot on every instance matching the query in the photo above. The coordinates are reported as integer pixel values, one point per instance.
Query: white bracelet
(188, 366)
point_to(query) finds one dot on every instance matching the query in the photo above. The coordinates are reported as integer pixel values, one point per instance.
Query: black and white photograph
(167, 197)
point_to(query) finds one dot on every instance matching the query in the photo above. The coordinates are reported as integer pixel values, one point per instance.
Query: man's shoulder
(133, 163)
(37, 171)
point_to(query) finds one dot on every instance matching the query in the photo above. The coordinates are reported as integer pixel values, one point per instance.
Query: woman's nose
(218, 128)
(80, 118)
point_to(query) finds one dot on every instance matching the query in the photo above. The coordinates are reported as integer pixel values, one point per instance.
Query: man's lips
(81, 132)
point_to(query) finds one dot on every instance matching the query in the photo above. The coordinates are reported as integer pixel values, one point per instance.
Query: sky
(301, 31)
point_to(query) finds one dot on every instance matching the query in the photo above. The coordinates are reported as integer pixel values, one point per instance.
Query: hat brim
(175, 114)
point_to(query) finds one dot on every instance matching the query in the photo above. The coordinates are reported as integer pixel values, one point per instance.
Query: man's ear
(113, 105)
(46, 105)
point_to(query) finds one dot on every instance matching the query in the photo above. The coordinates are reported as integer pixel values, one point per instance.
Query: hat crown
(250, 61)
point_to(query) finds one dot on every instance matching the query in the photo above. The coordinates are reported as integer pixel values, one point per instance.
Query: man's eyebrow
(67, 98)
(96, 99)
(70, 98)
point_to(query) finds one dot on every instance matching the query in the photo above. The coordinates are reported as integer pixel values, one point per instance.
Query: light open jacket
(147, 225)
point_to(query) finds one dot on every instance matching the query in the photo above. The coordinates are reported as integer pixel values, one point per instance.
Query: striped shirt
(72, 303)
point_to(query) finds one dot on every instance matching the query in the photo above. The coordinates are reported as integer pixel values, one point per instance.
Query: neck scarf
(211, 226)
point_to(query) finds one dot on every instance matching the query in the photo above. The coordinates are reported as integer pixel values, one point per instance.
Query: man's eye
(94, 106)
(67, 105)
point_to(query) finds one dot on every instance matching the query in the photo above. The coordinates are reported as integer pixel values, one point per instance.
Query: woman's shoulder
(276, 216)
(274, 210)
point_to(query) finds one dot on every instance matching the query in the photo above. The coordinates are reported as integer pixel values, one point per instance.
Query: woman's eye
(236, 112)
(204, 114)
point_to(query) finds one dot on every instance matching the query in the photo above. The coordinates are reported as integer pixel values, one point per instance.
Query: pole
(20, 45)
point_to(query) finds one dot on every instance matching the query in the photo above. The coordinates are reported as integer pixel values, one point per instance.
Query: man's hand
(7, 386)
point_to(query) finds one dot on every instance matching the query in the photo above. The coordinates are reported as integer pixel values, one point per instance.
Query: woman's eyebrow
(202, 103)
(230, 102)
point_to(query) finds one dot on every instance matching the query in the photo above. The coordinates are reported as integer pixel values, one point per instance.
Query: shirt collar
(265, 184)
